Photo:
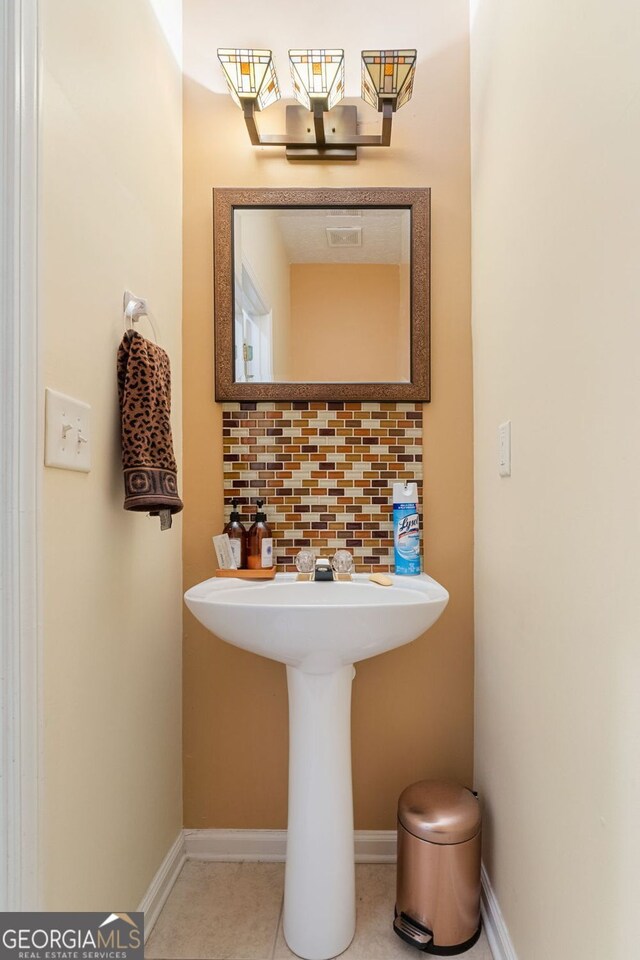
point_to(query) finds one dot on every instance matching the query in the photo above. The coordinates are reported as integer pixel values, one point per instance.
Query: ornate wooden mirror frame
(416, 200)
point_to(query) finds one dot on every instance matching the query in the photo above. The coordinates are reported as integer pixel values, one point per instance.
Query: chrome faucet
(339, 568)
(323, 570)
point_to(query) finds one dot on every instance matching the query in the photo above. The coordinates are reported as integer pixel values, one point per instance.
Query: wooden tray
(264, 574)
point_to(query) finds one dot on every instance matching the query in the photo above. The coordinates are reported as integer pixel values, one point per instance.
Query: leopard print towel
(144, 389)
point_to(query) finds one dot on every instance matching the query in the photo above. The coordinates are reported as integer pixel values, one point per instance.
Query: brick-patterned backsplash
(326, 472)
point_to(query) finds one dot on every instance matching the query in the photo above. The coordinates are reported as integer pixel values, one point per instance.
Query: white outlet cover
(67, 432)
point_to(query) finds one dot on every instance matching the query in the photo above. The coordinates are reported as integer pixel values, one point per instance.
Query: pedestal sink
(319, 630)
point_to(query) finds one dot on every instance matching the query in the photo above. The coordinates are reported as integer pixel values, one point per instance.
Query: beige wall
(259, 245)
(347, 322)
(556, 247)
(110, 218)
(412, 708)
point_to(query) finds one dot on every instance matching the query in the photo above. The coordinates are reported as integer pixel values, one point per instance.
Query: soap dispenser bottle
(237, 537)
(259, 542)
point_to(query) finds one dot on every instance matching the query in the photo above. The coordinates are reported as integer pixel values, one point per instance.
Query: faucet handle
(305, 561)
(342, 561)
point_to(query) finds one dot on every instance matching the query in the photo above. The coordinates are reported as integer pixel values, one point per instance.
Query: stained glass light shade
(250, 75)
(388, 74)
(317, 74)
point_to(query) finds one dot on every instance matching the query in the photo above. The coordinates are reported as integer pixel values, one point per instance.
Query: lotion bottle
(237, 537)
(259, 542)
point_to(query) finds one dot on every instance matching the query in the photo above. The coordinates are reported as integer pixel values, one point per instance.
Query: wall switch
(504, 449)
(67, 432)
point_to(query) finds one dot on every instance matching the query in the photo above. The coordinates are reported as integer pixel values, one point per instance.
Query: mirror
(322, 294)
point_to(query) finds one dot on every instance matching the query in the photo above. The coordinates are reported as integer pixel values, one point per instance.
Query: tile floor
(233, 911)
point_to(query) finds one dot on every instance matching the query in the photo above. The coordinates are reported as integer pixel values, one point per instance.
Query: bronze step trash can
(438, 889)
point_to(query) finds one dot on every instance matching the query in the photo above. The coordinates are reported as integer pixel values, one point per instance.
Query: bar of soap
(381, 579)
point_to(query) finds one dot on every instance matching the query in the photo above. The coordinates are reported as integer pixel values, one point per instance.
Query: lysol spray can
(406, 529)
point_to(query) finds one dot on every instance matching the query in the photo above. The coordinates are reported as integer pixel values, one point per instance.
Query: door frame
(21, 462)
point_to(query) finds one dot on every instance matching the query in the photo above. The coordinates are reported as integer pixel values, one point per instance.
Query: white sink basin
(319, 630)
(321, 626)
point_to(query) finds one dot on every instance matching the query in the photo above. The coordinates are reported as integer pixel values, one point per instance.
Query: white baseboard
(232, 845)
(376, 846)
(494, 925)
(161, 885)
(371, 846)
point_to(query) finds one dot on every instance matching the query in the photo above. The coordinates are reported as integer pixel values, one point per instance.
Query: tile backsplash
(326, 472)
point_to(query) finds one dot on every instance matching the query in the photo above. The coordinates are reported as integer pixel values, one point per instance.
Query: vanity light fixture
(387, 76)
(318, 86)
(250, 76)
(318, 77)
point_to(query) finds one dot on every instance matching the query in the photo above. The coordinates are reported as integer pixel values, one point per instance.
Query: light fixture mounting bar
(311, 136)
(318, 121)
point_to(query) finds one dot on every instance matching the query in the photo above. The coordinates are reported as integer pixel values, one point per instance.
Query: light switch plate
(504, 449)
(67, 432)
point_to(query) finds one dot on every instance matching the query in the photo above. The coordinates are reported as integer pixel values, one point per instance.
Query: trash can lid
(439, 811)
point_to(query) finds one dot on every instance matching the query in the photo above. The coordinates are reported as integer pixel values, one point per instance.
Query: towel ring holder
(134, 309)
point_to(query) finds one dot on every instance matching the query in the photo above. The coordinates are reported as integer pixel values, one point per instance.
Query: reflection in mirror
(322, 295)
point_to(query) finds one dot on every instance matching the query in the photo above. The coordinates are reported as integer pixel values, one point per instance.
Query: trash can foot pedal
(410, 933)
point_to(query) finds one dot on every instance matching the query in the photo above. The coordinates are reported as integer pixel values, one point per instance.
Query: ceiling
(384, 235)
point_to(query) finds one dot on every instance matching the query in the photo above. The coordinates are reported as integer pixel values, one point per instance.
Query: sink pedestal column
(319, 893)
